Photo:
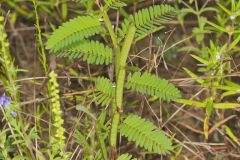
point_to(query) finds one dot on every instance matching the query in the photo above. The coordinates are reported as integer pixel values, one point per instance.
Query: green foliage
(230, 133)
(81, 139)
(199, 32)
(230, 89)
(152, 85)
(73, 32)
(93, 52)
(101, 137)
(8, 72)
(104, 91)
(8, 76)
(18, 136)
(70, 41)
(102, 132)
(114, 4)
(148, 20)
(126, 157)
(145, 134)
(89, 37)
(55, 9)
(83, 1)
(214, 55)
(5, 148)
(94, 38)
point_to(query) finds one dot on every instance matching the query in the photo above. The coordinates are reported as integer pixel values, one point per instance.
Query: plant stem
(119, 89)
(39, 35)
(101, 142)
(113, 136)
(123, 59)
(114, 39)
(120, 62)
(109, 27)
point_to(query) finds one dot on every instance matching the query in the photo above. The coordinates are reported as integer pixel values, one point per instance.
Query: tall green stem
(114, 39)
(101, 142)
(120, 84)
(123, 59)
(39, 35)
(109, 27)
(120, 62)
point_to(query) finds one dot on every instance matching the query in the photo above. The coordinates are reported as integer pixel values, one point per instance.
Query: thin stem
(110, 28)
(114, 39)
(101, 142)
(39, 35)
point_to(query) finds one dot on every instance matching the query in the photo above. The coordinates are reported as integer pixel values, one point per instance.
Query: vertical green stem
(120, 84)
(114, 39)
(109, 27)
(120, 62)
(123, 59)
(39, 35)
(101, 142)
(113, 135)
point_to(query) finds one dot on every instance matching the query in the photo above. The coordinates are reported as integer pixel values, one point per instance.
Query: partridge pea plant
(76, 39)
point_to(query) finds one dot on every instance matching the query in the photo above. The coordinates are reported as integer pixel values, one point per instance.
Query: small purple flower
(14, 114)
(4, 102)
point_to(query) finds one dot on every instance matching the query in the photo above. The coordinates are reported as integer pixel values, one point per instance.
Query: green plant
(214, 58)
(145, 134)
(74, 39)
(56, 9)
(126, 157)
(103, 98)
(57, 138)
(39, 35)
(104, 91)
(199, 32)
(152, 85)
(18, 142)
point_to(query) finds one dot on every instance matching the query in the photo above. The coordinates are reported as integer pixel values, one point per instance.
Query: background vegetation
(111, 79)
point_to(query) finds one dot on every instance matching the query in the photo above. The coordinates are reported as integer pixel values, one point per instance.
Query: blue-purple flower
(4, 102)
(14, 114)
